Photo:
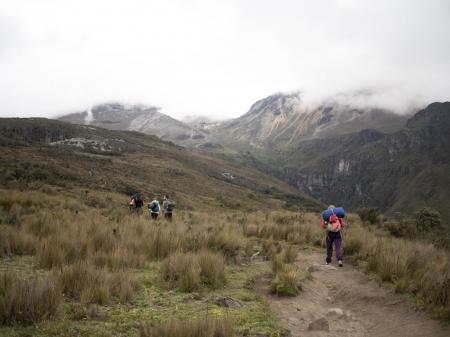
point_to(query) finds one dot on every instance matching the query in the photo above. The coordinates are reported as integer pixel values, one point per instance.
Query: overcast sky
(218, 57)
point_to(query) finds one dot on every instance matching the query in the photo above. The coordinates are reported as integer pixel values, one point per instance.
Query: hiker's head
(331, 207)
(166, 197)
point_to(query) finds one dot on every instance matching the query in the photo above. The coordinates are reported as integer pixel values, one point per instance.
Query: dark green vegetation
(425, 225)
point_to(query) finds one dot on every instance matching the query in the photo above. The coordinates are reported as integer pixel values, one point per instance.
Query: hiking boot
(340, 263)
(327, 263)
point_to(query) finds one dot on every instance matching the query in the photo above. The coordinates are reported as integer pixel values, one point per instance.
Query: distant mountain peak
(137, 117)
(277, 104)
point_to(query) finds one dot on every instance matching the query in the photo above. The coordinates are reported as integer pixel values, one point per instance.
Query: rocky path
(346, 302)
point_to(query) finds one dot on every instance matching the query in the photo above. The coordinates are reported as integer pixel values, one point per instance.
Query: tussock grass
(91, 284)
(188, 271)
(290, 254)
(212, 268)
(26, 301)
(182, 270)
(287, 281)
(277, 263)
(88, 250)
(206, 327)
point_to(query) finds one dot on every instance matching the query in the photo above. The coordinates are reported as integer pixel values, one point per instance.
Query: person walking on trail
(137, 201)
(168, 206)
(333, 223)
(154, 208)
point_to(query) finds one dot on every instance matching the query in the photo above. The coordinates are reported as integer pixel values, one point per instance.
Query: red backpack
(334, 225)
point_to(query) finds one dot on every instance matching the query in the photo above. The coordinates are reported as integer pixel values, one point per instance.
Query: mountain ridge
(336, 151)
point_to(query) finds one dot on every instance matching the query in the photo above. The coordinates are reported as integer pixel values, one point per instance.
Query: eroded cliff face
(407, 169)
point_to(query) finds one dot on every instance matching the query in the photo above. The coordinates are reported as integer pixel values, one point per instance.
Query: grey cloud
(218, 57)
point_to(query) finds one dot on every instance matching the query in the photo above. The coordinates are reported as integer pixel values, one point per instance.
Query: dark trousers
(168, 216)
(154, 216)
(335, 238)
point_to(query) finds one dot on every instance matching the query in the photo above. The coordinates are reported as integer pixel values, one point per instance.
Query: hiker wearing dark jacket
(168, 206)
(333, 229)
(137, 200)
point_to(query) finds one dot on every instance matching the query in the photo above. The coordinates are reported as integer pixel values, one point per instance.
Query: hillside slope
(38, 152)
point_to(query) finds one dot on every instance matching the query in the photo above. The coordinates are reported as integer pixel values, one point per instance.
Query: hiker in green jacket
(154, 208)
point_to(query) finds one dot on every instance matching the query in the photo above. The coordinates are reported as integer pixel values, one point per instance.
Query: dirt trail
(359, 307)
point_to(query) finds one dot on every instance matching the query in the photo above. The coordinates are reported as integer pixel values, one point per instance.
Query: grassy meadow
(70, 269)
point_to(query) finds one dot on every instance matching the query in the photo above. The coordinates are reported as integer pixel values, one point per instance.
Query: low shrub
(369, 215)
(402, 227)
(427, 219)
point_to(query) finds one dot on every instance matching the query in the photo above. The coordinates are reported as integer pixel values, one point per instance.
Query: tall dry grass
(28, 300)
(294, 229)
(67, 237)
(188, 271)
(287, 281)
(90, 252)
(205, 327)
(412, 266)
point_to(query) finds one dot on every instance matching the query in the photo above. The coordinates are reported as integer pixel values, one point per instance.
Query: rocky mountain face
(395, 172)
(141, 118)
(282, 120)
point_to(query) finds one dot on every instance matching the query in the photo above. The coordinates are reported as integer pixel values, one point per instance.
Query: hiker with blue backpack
(333, 223)
(154, 208)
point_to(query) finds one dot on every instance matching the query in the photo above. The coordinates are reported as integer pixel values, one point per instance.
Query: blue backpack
(153, 207)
